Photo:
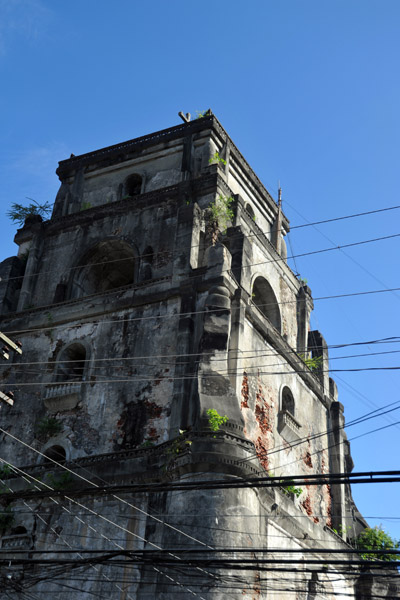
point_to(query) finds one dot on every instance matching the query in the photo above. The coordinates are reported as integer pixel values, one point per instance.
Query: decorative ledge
(61, 396)
(288, 427)
(17, 541)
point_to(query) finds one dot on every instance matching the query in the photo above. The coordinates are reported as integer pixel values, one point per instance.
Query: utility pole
(5, 351)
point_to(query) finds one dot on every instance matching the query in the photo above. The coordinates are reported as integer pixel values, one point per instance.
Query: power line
(137, 536)
(204, 375)
(172, 252)
(261, 354)
(190, 313)
(361, 214)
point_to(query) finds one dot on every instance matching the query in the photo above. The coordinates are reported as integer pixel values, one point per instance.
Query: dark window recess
(265, 300)
(249, 209)
(71, 363)
(133, 185)
(109, 265)
(19, 530)
(60, 293)
(56, 453)
(146, 271)
(287, 401)
(132, 426)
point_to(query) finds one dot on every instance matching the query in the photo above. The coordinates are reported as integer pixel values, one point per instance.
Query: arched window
(56, 453)
(249, 209)
(264, 298)
(287, 401)
(71, 363)
(146, 264)
(109, 265)
(19, 530)
(133, 185)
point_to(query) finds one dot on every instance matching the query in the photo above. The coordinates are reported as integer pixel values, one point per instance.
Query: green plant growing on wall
(147, 444)
(200, 114)
(5, 470)
(288, 486)
(217, 159)
(85, 206)
(292, 489)
(218, 215)
(313, 363)
(215, 420)
(303, 280)
(375, 538)
(60, 482)
(24, 257)
(179, 444)
(18, 212)
(6, 518)
(48, 427)
(341, 530)
(50, 322)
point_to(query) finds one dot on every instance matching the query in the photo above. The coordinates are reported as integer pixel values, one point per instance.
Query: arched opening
(71, 363)
(109, 265)
(265, 300)
(287, 401)
(56, 453)
(250, 211)
(146, 271)
(133, 185)
(20, 530)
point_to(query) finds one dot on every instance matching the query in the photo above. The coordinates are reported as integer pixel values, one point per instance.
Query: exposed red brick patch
(307, 459)
(153, 435)
(262, 411)
(245, 391)
(256, 586)
(306, 504)
(323, 464)
(261, 451)
(154, 411)
(329, 508)
(315, 519)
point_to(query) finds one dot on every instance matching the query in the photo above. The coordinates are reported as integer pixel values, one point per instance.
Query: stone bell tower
(157, 296)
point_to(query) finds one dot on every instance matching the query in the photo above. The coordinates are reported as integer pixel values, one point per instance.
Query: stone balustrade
(62, 396)
(288, 426)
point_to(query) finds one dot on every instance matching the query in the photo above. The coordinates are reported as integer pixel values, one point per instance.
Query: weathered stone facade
(138, 312)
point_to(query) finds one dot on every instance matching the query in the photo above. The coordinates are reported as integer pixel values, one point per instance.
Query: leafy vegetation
(179, 443)
(215, 420)
(60, 482)
(5, 470)
(147, 444)
(6, 518)
(341, 530)
(50, 332)
(288, 486)
(313, 363)
(219, 214)
(375, 538)
(217, 159)
(203, 113)
(18, 212)
(48, 426)
(85, 206)
(292, 489)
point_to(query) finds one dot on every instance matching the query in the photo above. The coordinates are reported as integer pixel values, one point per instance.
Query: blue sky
(308, 90)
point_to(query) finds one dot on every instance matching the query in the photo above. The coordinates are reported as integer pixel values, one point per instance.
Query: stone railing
(62, 396)
(288, 427)
(18, 541)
